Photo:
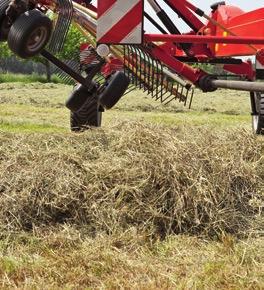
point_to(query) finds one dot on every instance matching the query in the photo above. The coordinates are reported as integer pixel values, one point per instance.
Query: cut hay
(156, 179)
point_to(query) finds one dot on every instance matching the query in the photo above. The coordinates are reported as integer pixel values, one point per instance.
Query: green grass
(26, 79)
(43, 105)
(25, 127)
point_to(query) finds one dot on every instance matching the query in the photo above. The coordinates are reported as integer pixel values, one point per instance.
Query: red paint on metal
(241, 24)
(113, 65)
(131, 20)
(208, 41)
(92, 7)
(260, 56)
(180, 68)
(245, 69)
(181, 6)
(103, 6)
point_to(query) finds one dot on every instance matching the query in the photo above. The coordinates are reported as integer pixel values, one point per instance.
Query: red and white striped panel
(120, 21)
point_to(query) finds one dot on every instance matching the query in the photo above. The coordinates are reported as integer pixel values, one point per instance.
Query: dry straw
(156, 179)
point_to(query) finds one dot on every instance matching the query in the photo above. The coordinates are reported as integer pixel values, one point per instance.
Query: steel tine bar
(169, 101)
(149, 75)
(158, 87)
(180, 96)
(169, 92)
(144, 69)
(160, 72)
(67, 18)
(166, 91)
(162, 90)
(148, 81)
(191, 99)
(148, 67)
(165, 87)
(157, 81)
(129, 91)
(139, 69)
(172, 88)
(152, 77)
(125, 57)
(175, 95)
(4, 4)
(125, 60)
(161, 76)
(65, 8)
(135, 65)
(186, 97)
(159, 95)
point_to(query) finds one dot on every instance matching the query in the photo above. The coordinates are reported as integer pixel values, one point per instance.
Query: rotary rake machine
(121, 55)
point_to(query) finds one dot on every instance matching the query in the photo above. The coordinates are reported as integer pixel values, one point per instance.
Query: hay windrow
(160, 180)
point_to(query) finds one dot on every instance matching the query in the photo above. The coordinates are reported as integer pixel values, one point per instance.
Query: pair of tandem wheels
(87, 105)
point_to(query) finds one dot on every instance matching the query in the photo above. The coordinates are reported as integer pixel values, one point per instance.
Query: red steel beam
(92, 7)
(188, 72)
(203, 39)
(182, 7)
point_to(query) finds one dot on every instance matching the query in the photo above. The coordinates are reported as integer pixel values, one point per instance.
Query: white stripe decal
(259, 65)
(134, 36)
(114, 15)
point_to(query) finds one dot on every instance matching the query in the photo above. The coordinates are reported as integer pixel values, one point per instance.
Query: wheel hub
(37, 39)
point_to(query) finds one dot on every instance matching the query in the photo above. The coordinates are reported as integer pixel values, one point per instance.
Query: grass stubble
(133, 205)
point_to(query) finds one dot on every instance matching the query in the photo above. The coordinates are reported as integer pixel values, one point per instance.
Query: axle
(238, 85)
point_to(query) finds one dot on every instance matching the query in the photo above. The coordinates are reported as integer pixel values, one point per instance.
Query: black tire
(79, 97)
(89, 116)
(257, 104)
(29, 34)
(114, 89)
(5, 24)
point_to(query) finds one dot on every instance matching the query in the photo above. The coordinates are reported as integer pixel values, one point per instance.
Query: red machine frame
(224, 36)
(219, 38)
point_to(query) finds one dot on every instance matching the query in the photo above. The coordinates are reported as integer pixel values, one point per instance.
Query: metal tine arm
(147, 73)
(65, 13)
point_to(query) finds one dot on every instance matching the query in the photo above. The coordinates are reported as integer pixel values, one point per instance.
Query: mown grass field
(40, 107)
(160, 197)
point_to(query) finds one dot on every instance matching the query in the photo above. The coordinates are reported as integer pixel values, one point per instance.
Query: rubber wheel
(79, 97)
(89, 116)
(114, 89)
(257, 104)
(4, 22)
(29, 34)
(4, 28)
